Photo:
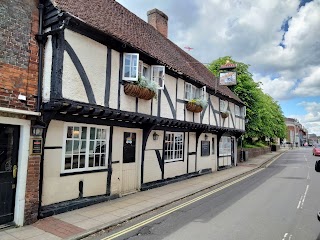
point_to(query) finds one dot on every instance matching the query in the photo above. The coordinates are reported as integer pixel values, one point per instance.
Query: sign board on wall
(228, 78)
(36, 146)
(205, 148)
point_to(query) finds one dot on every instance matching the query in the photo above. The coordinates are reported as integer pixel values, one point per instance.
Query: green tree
(265, 117)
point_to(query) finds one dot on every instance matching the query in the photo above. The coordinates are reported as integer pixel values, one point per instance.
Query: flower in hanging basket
(196, 105)
(225, 114)
(143, 88)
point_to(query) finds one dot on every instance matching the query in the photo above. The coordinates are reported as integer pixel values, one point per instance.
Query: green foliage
(265, 117)
(199, 101)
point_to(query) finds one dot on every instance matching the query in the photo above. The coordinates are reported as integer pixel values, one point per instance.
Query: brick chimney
(159, 21)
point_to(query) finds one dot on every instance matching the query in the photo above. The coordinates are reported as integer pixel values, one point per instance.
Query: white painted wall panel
(144, 106)
(180, 111)
(180, 93)
(114, 81)
(46, 85)
(127, 103)
(93, 57)
(72, 86)
(170, 83)
(152, 171)
(175, 169)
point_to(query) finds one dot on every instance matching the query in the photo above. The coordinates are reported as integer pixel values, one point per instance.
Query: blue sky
(280, 40)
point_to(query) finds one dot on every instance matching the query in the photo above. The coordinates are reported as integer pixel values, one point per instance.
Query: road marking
(303, 198)
(160, 215)
(285, 235)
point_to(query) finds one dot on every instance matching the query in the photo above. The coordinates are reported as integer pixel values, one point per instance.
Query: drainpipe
(40, 57)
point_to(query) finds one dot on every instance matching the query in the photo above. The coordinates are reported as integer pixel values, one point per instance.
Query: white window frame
(225, 146)
(194, 92)
(243, 111)
(223, 105)
(237, 111)
(173, 150)
(131, 77)
(142, 65)
(86, 168)
(160, 80)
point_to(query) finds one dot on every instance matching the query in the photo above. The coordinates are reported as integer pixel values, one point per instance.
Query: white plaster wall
(192, 148)
(144, 106)
(170, 83)
(232, 113)
(72, 86)
(192, 164)
(189, 115)
(127, 103)
(173, 169)
(114, 81)
(115, 178)
(155, 144)
(205, 119)
(93, 57)
(204, 161)
(155, 103)
(180, 111)
(152, 171)
(94, 183)
(180, 93)
(213, 121)
(197, 117)
(46, 85)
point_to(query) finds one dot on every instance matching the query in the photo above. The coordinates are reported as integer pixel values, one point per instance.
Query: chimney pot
(158, 20)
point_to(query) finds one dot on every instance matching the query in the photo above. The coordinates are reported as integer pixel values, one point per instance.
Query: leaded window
(173, 149)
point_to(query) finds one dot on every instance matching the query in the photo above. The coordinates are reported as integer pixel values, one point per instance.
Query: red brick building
(296, 133)
(19, 171)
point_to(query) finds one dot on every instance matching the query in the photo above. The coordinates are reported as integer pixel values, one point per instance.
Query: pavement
(82, 222)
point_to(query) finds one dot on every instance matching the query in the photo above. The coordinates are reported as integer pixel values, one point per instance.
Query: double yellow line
(149, 220)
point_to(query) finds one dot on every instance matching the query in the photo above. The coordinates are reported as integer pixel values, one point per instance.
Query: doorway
(130, 159)
(9, 147)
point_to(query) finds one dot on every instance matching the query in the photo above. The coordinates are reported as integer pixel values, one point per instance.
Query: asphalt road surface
(278, 202)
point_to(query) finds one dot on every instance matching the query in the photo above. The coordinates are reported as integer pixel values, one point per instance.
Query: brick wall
(254, 152)
(18, 53)
(19, 75)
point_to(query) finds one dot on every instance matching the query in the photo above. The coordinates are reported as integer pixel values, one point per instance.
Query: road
(277, 202)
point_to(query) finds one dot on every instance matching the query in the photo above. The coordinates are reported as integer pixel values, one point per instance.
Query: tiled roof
(113, 19)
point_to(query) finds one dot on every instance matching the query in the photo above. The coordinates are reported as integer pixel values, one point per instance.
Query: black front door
(9, 146)
(232, 152)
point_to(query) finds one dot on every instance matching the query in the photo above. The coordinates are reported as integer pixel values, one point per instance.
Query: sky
(279, 39)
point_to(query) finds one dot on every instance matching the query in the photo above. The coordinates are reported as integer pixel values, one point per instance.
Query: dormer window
(237, 111)
(130, 66)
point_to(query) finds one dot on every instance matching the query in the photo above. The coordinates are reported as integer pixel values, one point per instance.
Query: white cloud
(250, 32)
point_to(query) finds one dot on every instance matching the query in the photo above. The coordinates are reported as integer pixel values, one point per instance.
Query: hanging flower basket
(224, 114)
(137, 91)
(192, 107)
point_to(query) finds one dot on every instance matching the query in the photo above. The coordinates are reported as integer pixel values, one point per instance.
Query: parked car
(316, 150)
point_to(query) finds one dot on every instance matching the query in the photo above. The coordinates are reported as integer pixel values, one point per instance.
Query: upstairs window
(192, 92)
(154, 73)
(243, 111)
(223, 105)
(130, 66)
(237, 111)
(157, 75)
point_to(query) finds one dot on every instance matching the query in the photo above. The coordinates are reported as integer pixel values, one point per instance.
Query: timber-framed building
(104, 140)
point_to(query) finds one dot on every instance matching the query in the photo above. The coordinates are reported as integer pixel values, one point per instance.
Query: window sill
(83, 172)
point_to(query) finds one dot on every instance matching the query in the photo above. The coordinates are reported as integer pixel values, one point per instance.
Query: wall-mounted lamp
(206, 137)
(155, 136)
(37, 128)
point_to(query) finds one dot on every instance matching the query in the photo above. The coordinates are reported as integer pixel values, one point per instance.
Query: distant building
(296, 133)
(312, 139)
